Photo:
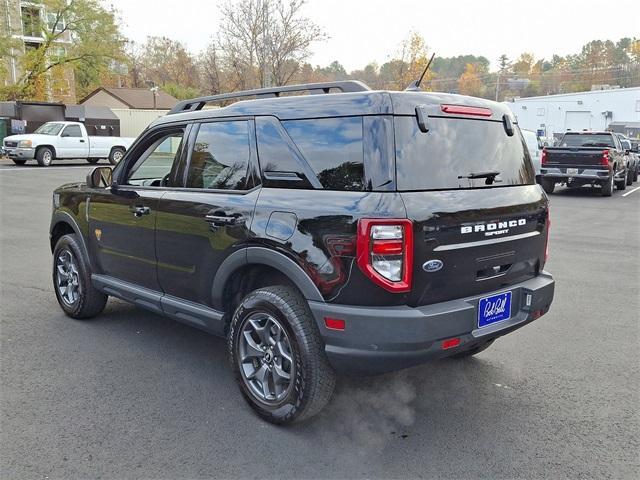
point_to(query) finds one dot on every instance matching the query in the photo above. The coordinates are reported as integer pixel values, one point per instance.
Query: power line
(545, 73)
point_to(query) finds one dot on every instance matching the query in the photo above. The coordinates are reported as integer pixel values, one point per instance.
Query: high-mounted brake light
(604, 159)
(384, 251)
(543, 157)
(466, 110)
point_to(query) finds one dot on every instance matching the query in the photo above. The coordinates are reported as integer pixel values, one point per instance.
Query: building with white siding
(594, 110)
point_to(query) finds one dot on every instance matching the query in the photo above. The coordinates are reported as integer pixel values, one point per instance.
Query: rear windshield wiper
(490, 176)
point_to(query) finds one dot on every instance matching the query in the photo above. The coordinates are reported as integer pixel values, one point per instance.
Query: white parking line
(631, 191)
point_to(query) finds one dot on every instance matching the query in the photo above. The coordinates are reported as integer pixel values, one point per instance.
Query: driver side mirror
(100, 177)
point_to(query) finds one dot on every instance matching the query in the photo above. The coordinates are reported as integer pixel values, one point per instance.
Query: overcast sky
(363, 31)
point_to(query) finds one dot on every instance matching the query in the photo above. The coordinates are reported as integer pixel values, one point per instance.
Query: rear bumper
(383, 339)
(590, 174)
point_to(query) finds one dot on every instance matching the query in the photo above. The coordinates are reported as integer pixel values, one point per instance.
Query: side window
(333, 148)
(158, 160)
(220, 156)
(279, 162)
(72, 131)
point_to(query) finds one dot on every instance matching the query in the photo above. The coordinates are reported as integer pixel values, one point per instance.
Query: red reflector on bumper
(537, 314)
(334, 323)
(450, 343)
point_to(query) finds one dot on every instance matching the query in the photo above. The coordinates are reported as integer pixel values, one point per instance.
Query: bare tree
(265, 41)
(211, 70)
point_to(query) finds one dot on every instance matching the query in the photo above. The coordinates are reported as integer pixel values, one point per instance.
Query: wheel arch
(50, 147)
(119, 147)
(62, 223)
(255, 267)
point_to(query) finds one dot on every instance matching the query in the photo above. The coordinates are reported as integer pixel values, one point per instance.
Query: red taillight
(387, 247)
(466, 110)
(546, 245)
(543, 157)
(385, 252)
(604, 160)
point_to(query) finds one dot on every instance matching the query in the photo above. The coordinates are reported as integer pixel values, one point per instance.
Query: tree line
(269, 42)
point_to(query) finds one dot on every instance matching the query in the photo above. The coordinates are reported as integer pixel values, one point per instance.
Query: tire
(473, 351)
(548, 185)
(635, 174)
(71, 269)
(630, 176)
(607, 188)
(311, 379)
(116, 155)
(622, 184)
(93, 160)
(44, 156)
(18, 161)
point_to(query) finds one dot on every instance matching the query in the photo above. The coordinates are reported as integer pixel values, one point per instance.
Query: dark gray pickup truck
(586, 158)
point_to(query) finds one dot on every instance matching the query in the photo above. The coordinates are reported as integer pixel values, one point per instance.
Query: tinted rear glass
(587, 140)
(333, 148)
(455, 148)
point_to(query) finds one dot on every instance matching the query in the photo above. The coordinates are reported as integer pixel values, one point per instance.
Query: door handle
(140, 211)
(81, 141)
(220, 220)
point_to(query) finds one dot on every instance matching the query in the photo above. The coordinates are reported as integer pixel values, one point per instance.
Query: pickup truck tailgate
(562, 156)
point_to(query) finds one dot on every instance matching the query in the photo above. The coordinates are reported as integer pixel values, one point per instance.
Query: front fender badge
(431, 266)
(98, 233)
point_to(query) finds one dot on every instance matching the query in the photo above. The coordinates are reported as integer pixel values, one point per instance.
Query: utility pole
(154, 92)
(498, 87)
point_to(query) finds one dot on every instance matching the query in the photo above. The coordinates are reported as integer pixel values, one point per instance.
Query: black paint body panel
(179, 256)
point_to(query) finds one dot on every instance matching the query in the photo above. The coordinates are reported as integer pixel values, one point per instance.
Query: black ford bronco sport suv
(358, 232)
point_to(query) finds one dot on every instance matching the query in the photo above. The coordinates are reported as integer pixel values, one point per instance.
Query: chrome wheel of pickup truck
(67, 277)
(116, 155)
(44, 156)
(265, 357)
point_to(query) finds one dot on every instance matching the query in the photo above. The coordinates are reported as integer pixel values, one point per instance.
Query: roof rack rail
(195, 104)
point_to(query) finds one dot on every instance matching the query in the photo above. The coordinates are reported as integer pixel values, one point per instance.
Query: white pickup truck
(60, 140)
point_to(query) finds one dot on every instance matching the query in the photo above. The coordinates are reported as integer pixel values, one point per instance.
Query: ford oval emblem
(432, 265)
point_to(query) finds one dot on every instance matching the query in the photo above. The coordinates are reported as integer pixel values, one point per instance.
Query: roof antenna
(415, 86)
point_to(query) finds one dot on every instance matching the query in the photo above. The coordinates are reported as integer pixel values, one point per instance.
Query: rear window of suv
(453, 149)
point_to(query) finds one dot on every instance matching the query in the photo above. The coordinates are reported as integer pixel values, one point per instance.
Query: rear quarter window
(454, 148)
(333, 149)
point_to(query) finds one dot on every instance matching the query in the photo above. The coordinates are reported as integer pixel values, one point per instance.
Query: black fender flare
(64, 217)
(262, 256)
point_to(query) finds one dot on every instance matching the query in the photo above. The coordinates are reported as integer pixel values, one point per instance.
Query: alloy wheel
(265, 358)
(67, 277)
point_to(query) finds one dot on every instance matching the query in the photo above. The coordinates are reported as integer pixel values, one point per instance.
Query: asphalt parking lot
(134, 395)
